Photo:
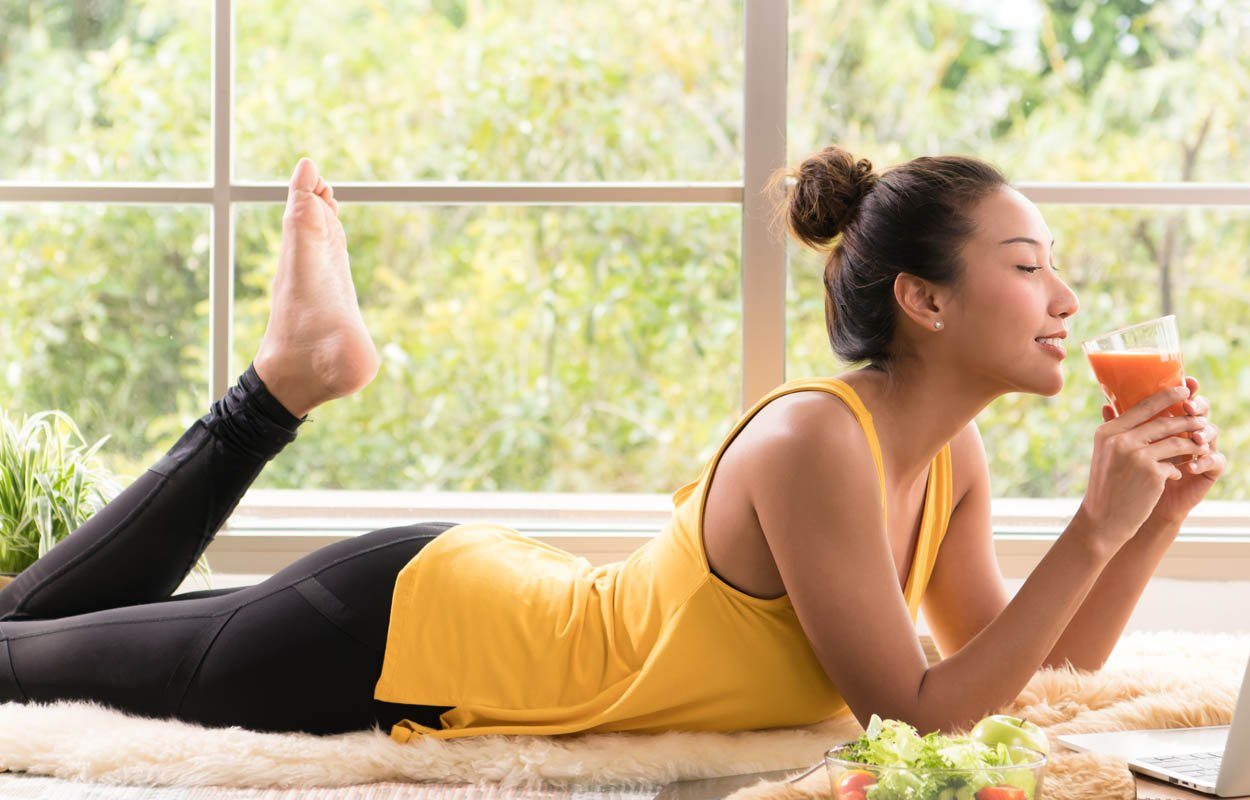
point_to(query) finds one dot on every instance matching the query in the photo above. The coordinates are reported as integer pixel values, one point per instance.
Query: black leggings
(94, 619)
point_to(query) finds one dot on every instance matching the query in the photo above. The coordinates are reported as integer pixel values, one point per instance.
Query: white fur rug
(1153, 680)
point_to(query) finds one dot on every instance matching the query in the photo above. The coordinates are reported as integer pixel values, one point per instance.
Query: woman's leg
(140, 547)
(285, 654)
(300, 651)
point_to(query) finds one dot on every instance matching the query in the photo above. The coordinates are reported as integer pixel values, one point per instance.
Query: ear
(920, 300)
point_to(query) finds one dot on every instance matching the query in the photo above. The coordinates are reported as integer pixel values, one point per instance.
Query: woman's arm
(820, 510)
(1093, 632)
(955, 612)
(990, 670)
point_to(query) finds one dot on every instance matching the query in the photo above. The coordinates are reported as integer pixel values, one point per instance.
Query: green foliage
(597, 348)
(49, 486)
(106, 317)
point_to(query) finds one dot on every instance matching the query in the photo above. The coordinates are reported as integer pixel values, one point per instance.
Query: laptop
(1213, 760)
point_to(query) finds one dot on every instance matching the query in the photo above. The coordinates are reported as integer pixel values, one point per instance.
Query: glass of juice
(1133, 363)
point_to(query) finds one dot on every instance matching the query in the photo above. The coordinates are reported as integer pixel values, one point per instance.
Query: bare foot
(315, 347)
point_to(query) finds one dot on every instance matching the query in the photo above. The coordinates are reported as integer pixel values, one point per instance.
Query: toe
(305, 177)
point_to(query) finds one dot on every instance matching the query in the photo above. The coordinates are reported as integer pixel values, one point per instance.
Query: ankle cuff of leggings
(250, 420)
(258, 393)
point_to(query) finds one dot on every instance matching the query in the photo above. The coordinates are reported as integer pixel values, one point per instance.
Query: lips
(1054, 346)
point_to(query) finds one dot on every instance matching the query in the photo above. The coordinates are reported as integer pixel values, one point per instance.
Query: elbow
(930, 712)
(927, 709)
(920, 714)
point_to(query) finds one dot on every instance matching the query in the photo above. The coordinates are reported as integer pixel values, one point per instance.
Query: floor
(32, 787)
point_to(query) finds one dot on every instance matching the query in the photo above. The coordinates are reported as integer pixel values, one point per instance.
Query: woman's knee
(136, 658)
(279, 664)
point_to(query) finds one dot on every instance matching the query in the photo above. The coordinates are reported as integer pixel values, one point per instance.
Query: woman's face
(1012, 295)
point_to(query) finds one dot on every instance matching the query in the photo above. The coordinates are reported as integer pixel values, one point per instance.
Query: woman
(768, 600)
(94, 619)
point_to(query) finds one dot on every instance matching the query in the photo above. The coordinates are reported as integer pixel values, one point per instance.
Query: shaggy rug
(1152, 680)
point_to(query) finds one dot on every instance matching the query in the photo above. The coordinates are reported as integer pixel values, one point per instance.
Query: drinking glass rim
(1127, 328)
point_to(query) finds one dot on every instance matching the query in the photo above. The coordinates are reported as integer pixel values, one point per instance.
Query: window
(117, 342)
(111, 90)
(1064, 98)
(524, 348)
(555, 222)
(490, 91)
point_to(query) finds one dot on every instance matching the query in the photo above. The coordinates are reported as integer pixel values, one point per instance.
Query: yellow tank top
(525, 638)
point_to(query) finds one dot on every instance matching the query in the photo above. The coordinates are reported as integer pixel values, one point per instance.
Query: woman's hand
(1180, 495)
(1129, 468)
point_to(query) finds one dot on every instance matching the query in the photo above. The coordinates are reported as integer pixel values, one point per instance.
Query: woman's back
(522, 637)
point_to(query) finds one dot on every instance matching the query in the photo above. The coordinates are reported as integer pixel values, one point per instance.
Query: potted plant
(50, 483)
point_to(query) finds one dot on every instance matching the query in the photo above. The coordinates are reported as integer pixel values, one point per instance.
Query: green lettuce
(892, 743)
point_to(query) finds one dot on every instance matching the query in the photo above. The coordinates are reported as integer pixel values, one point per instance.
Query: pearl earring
(938, 324)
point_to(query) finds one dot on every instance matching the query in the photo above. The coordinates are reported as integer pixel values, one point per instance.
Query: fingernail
(1190, 407)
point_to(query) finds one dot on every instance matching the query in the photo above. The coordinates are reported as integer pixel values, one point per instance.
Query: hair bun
(829, 187)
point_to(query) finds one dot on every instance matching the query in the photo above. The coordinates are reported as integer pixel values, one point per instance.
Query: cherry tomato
(853, 783)
(1001, 793)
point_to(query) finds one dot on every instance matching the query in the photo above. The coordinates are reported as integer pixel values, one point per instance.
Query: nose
(1065, 302)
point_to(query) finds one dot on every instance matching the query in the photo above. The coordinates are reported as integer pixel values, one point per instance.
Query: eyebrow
(1026, 240)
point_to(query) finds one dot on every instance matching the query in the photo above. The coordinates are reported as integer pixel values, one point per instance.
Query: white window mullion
(111, 193)
(1196, 195)
(763, 151)
(1137, 194)
(547, 194)
(221, 252)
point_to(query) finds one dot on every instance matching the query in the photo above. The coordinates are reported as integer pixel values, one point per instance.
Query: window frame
(1217, 534)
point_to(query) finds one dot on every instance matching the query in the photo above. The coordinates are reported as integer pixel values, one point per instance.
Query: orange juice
(1129, 376)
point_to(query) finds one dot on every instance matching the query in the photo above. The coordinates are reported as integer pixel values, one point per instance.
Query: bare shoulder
(803, 433)
(797, 430)
(817, 415)
(804, 412)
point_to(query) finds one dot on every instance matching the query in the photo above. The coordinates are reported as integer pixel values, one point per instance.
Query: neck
(916, 410)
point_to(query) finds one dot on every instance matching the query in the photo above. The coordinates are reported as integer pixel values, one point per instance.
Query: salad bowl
(891, 762)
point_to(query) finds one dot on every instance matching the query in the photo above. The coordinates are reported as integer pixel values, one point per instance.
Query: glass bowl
(1020, 780)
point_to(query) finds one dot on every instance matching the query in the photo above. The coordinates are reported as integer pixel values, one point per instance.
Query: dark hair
(913, 218)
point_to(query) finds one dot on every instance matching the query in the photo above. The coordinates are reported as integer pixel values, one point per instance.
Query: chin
(1054, 385)
(1040, 380)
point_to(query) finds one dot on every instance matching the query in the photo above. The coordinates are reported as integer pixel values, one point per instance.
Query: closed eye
(1032, 269)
